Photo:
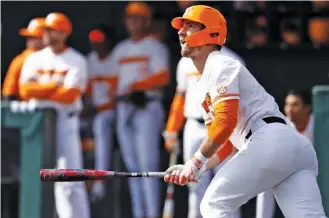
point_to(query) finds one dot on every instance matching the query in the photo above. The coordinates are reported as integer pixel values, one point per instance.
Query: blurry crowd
(117, 90)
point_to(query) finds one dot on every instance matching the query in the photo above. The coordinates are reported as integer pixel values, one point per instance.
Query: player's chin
(186, 53)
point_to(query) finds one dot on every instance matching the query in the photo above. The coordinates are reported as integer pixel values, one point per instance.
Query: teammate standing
(298, 109)
(58, 74)
(33, 34)
(143, 71)
(273, 155)
(101, 91)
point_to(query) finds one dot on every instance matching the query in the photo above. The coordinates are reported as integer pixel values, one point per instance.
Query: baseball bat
(169, 205)
(77, 175)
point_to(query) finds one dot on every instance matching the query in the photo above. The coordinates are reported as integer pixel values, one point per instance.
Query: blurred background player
(33, 34)
(100, 93)
(298, 109)
(57, 74)
(143, 71)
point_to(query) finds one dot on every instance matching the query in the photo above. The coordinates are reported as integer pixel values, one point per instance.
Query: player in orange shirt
(33, 34)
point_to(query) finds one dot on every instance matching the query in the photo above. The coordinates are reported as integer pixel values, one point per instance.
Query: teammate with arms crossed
(273, 155)
(143, 70)
(33, 34)
(57, 74)
(101, 92)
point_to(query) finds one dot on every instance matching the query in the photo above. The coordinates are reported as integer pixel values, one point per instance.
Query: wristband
(200, 159)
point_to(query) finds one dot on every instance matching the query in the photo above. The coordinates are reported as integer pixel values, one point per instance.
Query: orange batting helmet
(34, 29)
(59, 22)
(215, 23)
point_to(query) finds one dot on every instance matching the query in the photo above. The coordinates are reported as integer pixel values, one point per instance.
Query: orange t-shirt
(11, 82)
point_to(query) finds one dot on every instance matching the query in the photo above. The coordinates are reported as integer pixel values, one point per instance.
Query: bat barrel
(72, 175)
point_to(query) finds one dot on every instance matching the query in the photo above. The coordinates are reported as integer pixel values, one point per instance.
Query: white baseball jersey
(225, 78)
(186, 77)
(68, 68)
(138, 60)
(103, 80)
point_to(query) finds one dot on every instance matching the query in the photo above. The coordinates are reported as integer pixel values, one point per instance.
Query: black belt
(268, 120)
(72, 114)
(199, 120)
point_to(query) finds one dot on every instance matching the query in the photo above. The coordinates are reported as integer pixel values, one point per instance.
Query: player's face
(188, 28)
(295, 109)
(99, 47)
(136, 25)
(34, 42)
(53, 37)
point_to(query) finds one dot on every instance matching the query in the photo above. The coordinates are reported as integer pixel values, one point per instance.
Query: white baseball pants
(139, 139)
(103, 129)
(70, 197)
(194, 134)
(277, 158)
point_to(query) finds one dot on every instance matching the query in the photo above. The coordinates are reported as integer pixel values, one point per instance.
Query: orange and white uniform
(143, 65)
(186, 106)
(59, 79)
(102, 90)
(268, 150)
(11, 82)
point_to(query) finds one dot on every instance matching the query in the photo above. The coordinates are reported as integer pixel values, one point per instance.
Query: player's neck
(199, 60)
(59, 48)
(302, 124)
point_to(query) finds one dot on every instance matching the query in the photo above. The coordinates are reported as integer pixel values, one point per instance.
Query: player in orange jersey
(33, 34)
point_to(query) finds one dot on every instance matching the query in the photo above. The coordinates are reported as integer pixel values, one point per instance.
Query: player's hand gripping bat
(169, 205)
(77, 175)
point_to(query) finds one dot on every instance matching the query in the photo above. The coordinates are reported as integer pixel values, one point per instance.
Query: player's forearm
(176, 114)
(65, 96)
(220, 156)
(35, 90)
(221, 128)
(156, 81)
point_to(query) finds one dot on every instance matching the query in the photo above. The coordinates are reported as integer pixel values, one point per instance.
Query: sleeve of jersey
(75, 83)
(28, 87)
(176, 114)
(159, 70)
(224, 95)
(11, 82)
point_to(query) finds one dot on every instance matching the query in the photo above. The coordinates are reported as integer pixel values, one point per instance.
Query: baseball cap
(34, 29)
(59, 22)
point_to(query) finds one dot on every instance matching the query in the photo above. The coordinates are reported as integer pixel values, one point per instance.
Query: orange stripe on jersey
(226, 118)
(35, 90)
(155, 81)
(193, 74)
(104, 107)
(51, 72)
(11, 83)
(65, 96)
(220, 97)
(176, 114)
(136, 59)
(111, 80)
(225, 150)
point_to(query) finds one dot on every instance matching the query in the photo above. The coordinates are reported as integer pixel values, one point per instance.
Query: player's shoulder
(219, 65)
(121, 47)
(76, 55)
(91, 56)
(229, 52)
(220, 61)
(37, 55)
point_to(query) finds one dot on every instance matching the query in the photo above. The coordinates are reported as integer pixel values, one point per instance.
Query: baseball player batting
(58, 74)
(143, 70)
(273, 154)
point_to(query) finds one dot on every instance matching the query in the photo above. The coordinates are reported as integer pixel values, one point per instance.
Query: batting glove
(189, 172)
(171, 142)
(97, 191)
